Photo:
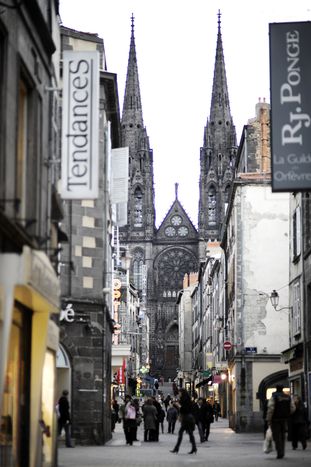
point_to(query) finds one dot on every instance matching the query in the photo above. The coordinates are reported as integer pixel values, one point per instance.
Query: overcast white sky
(175, 46)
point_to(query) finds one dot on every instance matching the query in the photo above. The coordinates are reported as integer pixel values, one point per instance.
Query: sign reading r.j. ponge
(290, 78)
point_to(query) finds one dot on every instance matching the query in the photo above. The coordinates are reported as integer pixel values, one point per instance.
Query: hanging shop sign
(290, 77)
(80, 125)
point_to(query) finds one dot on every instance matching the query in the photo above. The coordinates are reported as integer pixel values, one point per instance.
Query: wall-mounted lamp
(274, 298)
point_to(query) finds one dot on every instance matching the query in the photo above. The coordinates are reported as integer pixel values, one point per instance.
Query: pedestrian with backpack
(280, 407)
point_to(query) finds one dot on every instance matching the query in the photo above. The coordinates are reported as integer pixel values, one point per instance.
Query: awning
(204, 382)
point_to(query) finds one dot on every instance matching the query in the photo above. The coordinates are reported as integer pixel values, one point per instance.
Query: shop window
(48, 408)
(13, 438)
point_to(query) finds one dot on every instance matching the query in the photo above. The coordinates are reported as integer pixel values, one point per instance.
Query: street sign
(227, 345)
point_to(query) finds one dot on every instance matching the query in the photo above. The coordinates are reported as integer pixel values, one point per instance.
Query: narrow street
(224, 449)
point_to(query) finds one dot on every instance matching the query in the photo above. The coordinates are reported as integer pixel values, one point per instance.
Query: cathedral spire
(220, 107)
(217, 154)
(132, 109)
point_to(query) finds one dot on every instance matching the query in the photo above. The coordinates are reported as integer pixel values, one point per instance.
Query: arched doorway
(63, 367)
(268, 384)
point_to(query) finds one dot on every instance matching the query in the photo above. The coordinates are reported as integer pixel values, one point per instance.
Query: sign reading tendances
(80, 125)
(290, 78)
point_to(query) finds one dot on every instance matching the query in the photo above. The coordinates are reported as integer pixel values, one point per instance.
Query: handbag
(268, 442)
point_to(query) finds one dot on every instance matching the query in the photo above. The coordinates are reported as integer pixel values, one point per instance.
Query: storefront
(29, 293)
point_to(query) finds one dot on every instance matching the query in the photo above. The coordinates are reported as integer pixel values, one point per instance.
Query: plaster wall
(265, 265)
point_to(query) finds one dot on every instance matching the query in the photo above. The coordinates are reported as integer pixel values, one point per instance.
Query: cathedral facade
(161, 257)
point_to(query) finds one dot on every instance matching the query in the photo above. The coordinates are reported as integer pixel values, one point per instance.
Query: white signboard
(120, 169)
(80, 139)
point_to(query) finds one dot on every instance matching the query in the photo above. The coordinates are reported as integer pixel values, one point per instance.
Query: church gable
(176, 225)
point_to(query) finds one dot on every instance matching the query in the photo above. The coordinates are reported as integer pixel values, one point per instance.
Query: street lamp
(274, 298)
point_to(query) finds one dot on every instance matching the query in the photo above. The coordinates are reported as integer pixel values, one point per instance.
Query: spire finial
(176, 190)
(219, 19)
(132, 25)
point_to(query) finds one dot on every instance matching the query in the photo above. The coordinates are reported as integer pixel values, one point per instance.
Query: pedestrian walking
(187, 421)
(217, 410)
(167, 401)
(127, 413)
(175, 389)
(150, 420)
(199, 416)
(171, 417)
(138, 419)
(161, 418)
(280, 406)
(114, 414)
(264, 416)
(156, 387)
(158, 407)
(298, 424)
(208, 418)
(64, 419)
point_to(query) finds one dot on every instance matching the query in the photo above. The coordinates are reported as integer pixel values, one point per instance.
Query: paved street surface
(225, 448)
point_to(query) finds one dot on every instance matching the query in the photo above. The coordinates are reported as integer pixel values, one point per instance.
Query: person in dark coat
(280, 407)
(167, 402)
(138, 419)
(171, 417)
(199, 417)
(114, 414)
(159, 415)
(64, 420)
(187, 421)
(161, 418)
(299, 424)
(208, 411)
(216, 408)
(150, 420)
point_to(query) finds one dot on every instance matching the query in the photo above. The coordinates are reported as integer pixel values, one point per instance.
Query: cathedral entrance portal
(171, 361)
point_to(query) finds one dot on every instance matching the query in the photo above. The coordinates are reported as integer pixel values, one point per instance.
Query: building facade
(87, 273)
(257, 220)
(30, 211)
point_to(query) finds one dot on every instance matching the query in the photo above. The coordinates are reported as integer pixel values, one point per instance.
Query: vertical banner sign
(290, 87)
(80, 122)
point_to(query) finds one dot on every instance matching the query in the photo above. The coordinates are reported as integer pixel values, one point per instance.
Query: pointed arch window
(211, 205)
(219, 164)
(138, 207)
(227, 194)
(138, 262)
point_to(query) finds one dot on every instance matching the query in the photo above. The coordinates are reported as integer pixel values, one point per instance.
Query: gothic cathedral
(161, 257)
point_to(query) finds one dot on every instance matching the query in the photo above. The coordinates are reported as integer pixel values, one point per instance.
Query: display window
(13, 417)
(48, 408)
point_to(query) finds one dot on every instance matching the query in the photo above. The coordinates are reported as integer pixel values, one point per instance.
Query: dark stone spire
(217, 154)
(141, 210)
(220, 115)
(132, 109)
